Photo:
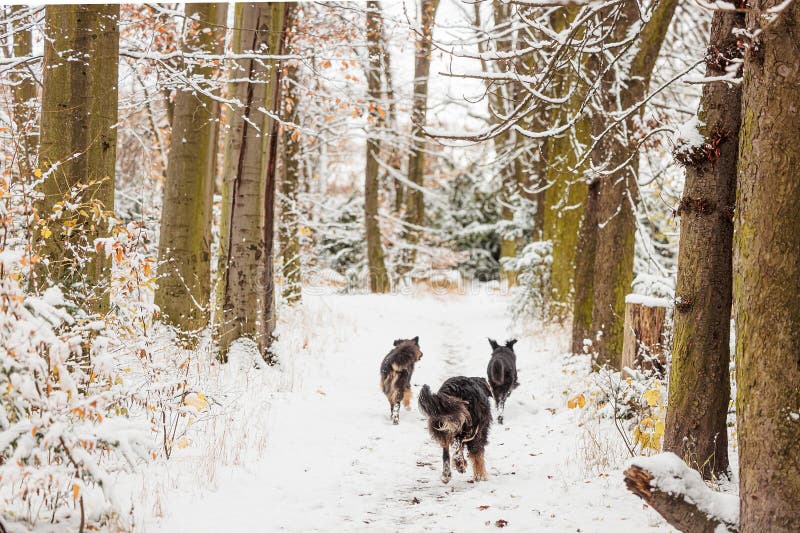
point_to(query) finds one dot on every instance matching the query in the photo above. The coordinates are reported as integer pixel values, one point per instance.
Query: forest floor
(331, 460)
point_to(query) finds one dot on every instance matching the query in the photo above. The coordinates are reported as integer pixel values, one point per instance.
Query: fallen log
(679, 494)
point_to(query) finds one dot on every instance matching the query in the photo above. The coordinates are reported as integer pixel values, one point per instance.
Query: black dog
(396, 370)
(459, 414)
(502, 373)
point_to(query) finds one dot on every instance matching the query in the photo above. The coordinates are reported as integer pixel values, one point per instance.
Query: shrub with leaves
(531, 299)
(63, 428)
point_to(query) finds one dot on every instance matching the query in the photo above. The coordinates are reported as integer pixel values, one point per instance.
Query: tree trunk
(184, 286)
(245, 296)
(23, 92)
(288, 227)
(617, 198)
(643, 341)
(78, 146)
(378, 278)
(566, 190)
(699, 386)
(415, 206)
(767, 273)
(584, 273)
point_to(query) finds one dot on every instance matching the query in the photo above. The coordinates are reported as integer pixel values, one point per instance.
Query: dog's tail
(436, 405)
(497, 372)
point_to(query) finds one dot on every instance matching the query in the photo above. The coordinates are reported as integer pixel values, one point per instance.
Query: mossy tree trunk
(565, 195)
(184, 288)
(378, 277)
(699, 386)
(78, 147)
(245, 294)
(766, 280)
(288, 228)
(414, 217)
(23, 91)
(615, 225)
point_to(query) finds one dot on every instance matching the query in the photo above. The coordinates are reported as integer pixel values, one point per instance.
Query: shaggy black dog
(502, 373)
(396, 370)
(459, 414)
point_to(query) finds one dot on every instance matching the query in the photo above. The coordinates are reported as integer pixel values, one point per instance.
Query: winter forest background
(215, 219)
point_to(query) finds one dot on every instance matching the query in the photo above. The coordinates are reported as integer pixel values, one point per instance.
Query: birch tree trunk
(378, 277)
(78, 146)
(699, 385)
(245, 294)
(184, 288)
(766, 278)
(415, 205)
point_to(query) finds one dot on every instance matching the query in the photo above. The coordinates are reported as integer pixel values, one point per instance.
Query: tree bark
(767, 272)
(616, 221)
(415, 205)
(78, 147)
(289, 225)
(644, 330)
(23, 91)
(245, 294)
(378, 277)
(184, 287)
(699, 386)
(681, 513)
(565, 196)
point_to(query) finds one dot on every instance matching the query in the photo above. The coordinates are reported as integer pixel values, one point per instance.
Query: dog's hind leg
(501, 407)
(446, 465)
(478, 466)
(407, 398)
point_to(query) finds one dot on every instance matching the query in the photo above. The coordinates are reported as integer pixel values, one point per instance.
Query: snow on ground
(331, 460)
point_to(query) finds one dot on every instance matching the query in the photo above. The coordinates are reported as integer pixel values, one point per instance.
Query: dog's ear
(397, 342)
(416, 340)
(493, 344)
(510, 344)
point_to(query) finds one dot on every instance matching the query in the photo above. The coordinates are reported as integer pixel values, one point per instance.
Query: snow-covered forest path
(334, 462)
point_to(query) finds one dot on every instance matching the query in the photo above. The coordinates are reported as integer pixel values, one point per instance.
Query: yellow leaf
(46, 232)
(76, 490)
(37, 172)
(576, 401)
(196, 400)
(182, 442)
(653, 397)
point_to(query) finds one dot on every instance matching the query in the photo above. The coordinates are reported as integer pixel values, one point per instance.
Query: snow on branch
(679, 494)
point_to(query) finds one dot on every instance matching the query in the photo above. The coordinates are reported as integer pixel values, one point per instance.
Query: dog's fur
(396, 370)
(502, 374)
(459, 414)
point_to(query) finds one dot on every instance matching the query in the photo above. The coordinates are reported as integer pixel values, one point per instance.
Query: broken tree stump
(642, 344)
(680, 496)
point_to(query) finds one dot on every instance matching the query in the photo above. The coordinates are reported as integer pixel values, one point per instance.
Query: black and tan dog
(459, 414)
(502, 374)
(396, 370)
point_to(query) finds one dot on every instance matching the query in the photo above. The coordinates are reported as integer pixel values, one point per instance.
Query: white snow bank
(688, 137)
(648, 301)
(672, 475)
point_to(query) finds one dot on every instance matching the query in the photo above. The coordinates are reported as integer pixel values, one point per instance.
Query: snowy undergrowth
(333, 461)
